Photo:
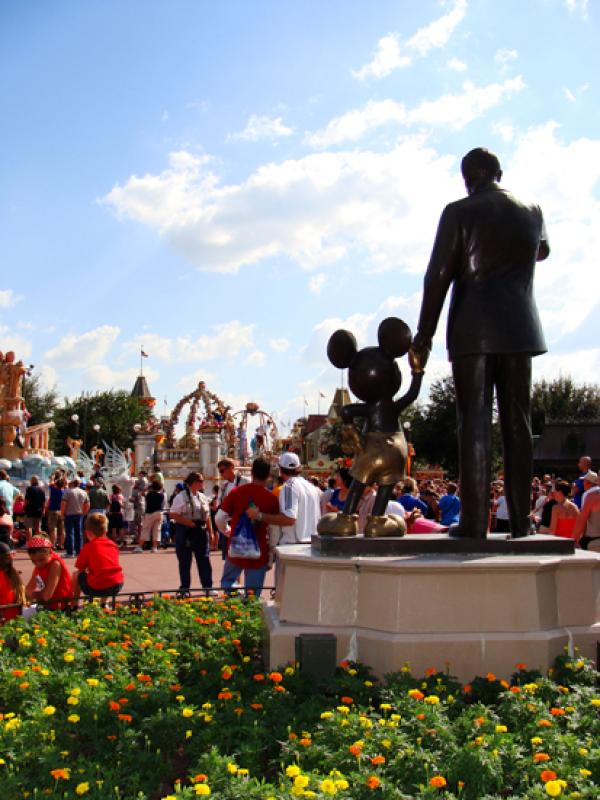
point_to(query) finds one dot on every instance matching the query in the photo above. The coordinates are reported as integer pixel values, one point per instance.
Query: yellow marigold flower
(395, 717)
(385, 706)
(92, 681)
(188, 734)
(242, 771)
(531, 687)
(82, 788)
(292, 771)
(327, 715)
(75, 692)
(206, 706)
(232, 768)
(187, 712)
(68, 657)
(351, 672)
(289, 671)
(327, 786)
(432, 699)
(301, 781)
(386, 743)
(585, 773)
(342, 783)
(553, 788)
(368, 683)
(596, 701)
(202, 789)
(72, 701)
(501, 729)
(49, 710)
(73, 718)
(536, 740)
(343, 709)
(583, 751)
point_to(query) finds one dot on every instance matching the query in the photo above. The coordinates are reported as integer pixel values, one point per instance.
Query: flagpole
(319, 404)
(141, 361)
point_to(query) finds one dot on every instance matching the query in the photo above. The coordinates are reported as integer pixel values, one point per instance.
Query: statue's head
(372, 372)
(480, 166)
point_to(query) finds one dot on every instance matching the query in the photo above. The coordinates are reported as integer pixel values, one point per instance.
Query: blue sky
(226, 183)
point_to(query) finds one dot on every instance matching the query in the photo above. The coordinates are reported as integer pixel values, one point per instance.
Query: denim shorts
(87, 589)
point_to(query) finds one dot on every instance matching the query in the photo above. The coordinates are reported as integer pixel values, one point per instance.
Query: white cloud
(81, 350)
(578, 7)
(256, 359)
(504, 56)
(505, 130)
(453, 110)
(314, 210)
(8, 298)
(456, 65)
(316, 283)
(392, 55)
(280, 345)
(9, 341)
(258, 128)
(190, 381)
(101, 376)
(573, 96)
(581, 365)
(48, 377)
(228, 340)
(164, 116)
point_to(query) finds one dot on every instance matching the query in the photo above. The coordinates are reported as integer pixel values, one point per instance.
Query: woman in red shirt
(50, 580)
(11, 587)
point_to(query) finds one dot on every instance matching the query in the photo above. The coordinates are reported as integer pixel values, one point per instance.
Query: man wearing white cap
(299, 505)
(590, 485)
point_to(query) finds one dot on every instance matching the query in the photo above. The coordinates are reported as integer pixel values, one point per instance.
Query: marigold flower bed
(172, 702)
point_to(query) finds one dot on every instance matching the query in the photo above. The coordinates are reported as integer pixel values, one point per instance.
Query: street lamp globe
(75, 417)
(137, 427)
(96, 427)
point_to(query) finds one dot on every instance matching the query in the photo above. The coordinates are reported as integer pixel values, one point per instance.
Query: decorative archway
(266, 438)
(216, 417)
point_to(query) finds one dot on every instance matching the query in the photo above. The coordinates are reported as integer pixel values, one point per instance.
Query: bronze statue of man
(486, 246)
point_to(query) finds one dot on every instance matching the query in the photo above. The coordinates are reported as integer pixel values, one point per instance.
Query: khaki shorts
(55, 523)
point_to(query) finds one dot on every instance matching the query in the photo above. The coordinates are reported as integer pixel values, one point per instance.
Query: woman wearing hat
(190, 511)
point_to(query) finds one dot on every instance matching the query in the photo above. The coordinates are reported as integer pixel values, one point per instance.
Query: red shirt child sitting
(98, 572)
(50, 580)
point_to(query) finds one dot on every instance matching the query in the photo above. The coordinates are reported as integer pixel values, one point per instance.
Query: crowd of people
(243, 518)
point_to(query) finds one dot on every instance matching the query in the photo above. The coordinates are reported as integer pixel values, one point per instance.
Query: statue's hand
(418, 354)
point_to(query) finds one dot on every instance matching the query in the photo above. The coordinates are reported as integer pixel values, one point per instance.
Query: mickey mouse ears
(393, 334)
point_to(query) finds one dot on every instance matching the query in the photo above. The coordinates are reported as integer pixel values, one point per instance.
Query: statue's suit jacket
(486, 246)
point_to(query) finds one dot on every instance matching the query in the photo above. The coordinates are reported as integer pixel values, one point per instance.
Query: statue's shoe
(333, 524)
(388, 525)
(458, 532)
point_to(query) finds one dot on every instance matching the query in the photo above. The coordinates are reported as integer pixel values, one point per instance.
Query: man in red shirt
(97, 571)
(237, 501)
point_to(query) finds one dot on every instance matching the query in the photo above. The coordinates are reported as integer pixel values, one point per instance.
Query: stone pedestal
(477, 614)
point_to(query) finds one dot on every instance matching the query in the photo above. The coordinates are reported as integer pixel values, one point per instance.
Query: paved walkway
(146, 571)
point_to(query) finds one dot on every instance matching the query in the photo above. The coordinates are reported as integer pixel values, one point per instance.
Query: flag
(143, 355)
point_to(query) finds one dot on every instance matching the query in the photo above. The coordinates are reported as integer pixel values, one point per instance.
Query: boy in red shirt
(231, 508)
(97, 571)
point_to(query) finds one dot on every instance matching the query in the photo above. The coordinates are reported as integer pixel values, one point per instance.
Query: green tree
(562, 399)
(116, 412)
(41, 404)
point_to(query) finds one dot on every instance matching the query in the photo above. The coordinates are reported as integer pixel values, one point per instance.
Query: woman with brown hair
(12, 590)
(565, 513)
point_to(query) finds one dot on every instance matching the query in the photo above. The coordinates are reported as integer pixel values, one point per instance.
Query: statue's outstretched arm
(413, 391)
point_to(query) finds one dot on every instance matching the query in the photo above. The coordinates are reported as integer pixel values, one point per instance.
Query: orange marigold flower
(373, 782)
(305, 742)
(515, 689)
(114, 706)
(258, 677)
(200, 778)
(125, 717)
(226, 674)
(416, 694)
(355, 749)
(224, 696)
(544, 723)
(122, 701)
(479, 721)
(467, 688)
(539, 757)
(61, 773)
(175, 687)
(279, 688)
(130, 687)
(430, 671)
(276, 677)
(344, 664)
(144, 678)
(18, 673)
(95, 653)
(347, 701)
(504, 684)
(438, 781)
(256, 706)
(378, 760)
(491, 677)
(420, 716)
(227, 624)
(112, 738)
(557, 712)
(548, 775)
(520, 665)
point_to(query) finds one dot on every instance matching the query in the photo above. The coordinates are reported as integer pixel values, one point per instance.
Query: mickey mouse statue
(374, 377)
